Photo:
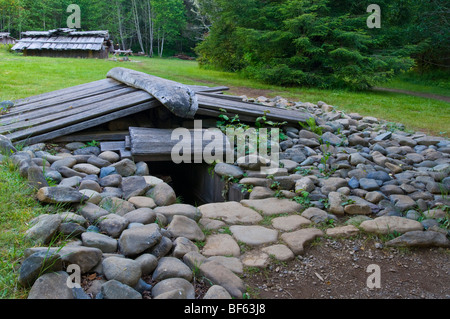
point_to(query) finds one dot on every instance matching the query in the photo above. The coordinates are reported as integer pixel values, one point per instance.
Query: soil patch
(337, 269)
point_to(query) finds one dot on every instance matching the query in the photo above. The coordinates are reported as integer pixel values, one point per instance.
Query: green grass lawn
(17, 208)
(26, 76)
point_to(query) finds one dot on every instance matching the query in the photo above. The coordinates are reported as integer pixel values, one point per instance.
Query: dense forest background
(320, 43)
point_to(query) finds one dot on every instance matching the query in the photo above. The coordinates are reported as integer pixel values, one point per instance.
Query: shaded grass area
(17, 207)
(22, 77)
(435, 82)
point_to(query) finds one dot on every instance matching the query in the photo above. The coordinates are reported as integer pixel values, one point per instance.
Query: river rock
(148, 263)
(389, 224)
(179, 209)
(142, 202)
(6, 146)
(117, 205)
(133, 186)
(217, 292)
(221, 245)
(85, 257)
(51, 286)
(224, 169)
(279, 252)
(44, 230)
(37, 264)
(59, 195)
(298, 239)
(135, 241)
(182, 226)
(289, 223)
(335, 201)
(109, 156)
(403, 202)
(343, 231)
(273, 206)
(103, 242)
(254, 235)
(125, 167)
(141, 215)
(36, 178)
(183, 245)
(171, 267)
(174, 284)
(163, 194)
(222, 276)
(92, 212)
(316, 215)
(114, 289)
(87, 169)
(230, 212)
(162, 248)
(113, 268)
(420, 239)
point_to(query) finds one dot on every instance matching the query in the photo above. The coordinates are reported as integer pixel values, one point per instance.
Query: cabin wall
(7, 40)
(83, 54)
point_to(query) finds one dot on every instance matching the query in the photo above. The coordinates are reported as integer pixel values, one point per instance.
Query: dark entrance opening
(195, 184)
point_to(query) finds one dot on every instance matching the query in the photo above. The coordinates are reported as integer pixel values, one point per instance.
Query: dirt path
(419, 94)
(338, 269)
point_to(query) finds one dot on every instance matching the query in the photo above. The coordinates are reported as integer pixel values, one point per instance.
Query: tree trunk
(151, 26)
(136, 22)
(119, 18)
(162, 46)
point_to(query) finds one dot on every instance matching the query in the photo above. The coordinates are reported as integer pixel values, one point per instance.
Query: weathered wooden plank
(87, 136)
(206, 89)
(252, 109)
(70, 90)
(89, 123)
(113, 105)
(112, 146)
(51, 113)
(151, 144)
(215, 114)
(222, 96)
(68, 96)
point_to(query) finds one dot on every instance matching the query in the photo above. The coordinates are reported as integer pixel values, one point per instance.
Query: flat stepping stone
(273, 206)
(290, 223)
(279, 252)
(298, 239)
(389, 224)
(254, 235)
(343, 232)
(211, 224)
(230, 213)
(232, 263)
(221, 245)
(255, 258)
(142, 202)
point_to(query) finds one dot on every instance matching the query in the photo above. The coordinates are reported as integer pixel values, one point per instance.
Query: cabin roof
(62, 39)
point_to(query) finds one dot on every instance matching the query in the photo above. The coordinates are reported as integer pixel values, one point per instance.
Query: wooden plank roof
(52, 115)
(62, 39)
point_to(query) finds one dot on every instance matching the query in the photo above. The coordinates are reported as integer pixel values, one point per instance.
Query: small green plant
(444, 222)
(92, 143)
(303, 171)
(226, 230)
(325, 202)
(303, 199)
(312, 126)
(262, 121)
(348, 201)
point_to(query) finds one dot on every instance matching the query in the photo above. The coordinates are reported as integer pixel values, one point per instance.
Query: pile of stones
(351, 173)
